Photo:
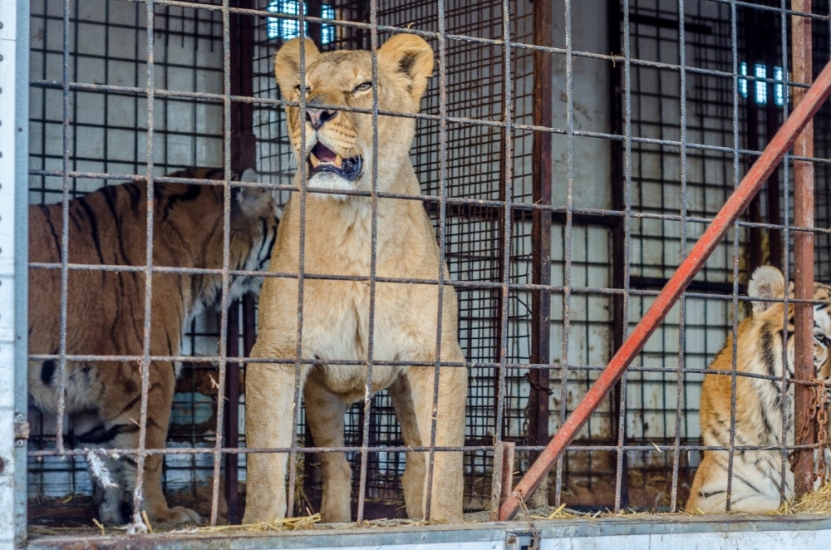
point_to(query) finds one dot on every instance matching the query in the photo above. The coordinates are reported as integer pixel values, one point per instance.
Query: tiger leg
(106, 473)
(754, 487)
(122, 423)
(114, 503)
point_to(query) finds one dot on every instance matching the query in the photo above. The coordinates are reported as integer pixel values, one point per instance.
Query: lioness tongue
(324, 153)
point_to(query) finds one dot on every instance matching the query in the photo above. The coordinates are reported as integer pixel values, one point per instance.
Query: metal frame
(682, 534)
(237, 102)
(14, 148)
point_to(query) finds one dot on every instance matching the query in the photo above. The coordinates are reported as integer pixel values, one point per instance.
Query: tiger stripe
(105, 310)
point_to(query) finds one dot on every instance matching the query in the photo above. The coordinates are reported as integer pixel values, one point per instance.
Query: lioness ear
(410, 56)
(287, 63)
(767, 282)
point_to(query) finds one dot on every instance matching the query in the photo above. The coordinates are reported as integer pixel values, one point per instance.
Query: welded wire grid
(106, 45)
(678, 78)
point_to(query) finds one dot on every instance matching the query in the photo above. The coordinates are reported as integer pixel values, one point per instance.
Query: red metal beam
(803, 179)
(735, 205)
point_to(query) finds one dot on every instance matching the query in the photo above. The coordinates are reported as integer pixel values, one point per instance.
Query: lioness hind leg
(446, 497)
(414, 474)
(325, 414)
(269, 415)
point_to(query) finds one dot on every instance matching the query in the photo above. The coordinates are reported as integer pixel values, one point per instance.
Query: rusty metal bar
(193, 451)
(243, 155)
(504, 453)
(141, 453)
(506, 190)
(804, 428)
(568, 232)
(619, 153)
(218, 98)
(226, 259)
(538, 407)
(373, 265)
(735, 205)
(231, 420)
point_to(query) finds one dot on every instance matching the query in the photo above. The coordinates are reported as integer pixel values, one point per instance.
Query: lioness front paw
(175, 516)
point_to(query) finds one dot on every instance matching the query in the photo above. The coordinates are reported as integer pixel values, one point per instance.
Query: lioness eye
(364, 86)
(301, 88)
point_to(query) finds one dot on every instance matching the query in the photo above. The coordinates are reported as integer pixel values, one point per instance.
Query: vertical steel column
(243, 155)
(804, 429)
(541, 233)
(314, 8)
(14, 182)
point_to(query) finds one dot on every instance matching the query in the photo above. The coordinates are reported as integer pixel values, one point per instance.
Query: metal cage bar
(501, 157)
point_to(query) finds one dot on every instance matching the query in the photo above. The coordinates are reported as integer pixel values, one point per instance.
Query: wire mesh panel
(104, 45)
(473, 234)
(568, 156)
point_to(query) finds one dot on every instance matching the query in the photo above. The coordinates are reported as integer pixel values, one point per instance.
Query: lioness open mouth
(323, 159)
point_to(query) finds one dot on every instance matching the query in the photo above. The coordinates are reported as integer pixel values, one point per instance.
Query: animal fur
(338, 241)
(105, 312)
(757, 474)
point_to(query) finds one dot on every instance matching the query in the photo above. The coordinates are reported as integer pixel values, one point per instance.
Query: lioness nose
(318, 117)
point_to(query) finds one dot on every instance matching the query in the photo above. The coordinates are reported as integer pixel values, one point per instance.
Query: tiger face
(768, 287)
(765, 349)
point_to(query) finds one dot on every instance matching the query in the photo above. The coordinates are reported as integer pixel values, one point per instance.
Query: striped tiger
(105, 312)
(756, 474)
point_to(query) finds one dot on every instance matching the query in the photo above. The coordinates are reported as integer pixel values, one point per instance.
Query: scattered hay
(558, 513)
(287, 524)
(818, 502)
(564, 513)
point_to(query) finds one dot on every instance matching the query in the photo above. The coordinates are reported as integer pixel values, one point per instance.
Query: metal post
(504, 453)
(541, 235)
(804, 429)
(14, 164)
(735, 205)
(244, 155)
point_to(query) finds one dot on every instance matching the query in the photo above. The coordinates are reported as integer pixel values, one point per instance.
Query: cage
(569, 156)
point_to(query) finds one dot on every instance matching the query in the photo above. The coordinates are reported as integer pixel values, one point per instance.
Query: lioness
(338, 154)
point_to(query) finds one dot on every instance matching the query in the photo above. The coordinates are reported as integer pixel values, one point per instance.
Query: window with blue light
(286, 29)
(778, 89)
(743, 81)
(760, 88)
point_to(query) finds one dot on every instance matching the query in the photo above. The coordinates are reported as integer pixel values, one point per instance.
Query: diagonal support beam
(735, 205)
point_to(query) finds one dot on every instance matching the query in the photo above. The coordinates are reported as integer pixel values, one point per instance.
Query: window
(286, 29)
(760, 87)
(778, 89)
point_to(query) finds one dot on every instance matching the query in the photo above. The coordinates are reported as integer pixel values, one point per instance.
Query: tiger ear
(767, 283)
(250, 200)
(287, 64)
(249, 174)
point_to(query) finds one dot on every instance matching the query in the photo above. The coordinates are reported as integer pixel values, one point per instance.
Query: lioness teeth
(314, 160)
(338, 161)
